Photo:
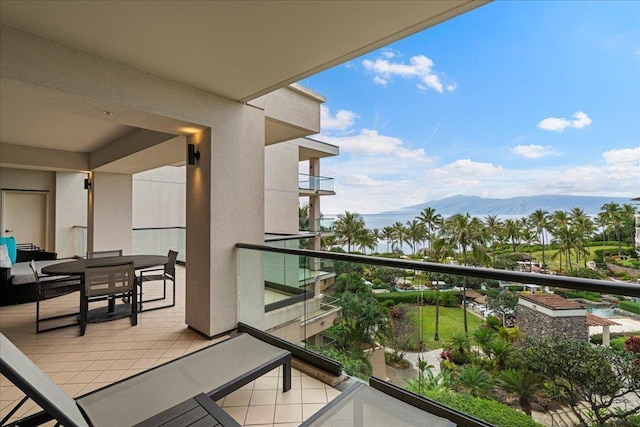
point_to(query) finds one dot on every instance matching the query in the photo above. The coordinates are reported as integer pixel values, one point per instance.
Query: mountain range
(475, 205)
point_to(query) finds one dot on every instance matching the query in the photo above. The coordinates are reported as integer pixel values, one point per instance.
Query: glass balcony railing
(318, 225)
(315, 183)
(498, 347)
(151, 241)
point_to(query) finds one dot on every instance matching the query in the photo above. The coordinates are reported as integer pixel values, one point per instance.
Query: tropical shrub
(585, 273)
(595, 375)
(355, 365)
(630, 306)
(490, 411)
(590, 296)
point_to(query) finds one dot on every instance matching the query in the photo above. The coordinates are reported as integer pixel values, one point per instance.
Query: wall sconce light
(192, 154)
(87, 184)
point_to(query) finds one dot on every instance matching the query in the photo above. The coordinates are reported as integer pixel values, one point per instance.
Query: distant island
(475, 205)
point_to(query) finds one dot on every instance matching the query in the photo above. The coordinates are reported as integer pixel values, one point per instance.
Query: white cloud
(623, 164)
(388, 53)
(559, 124)
(370, 143)
(533, 151)
(385, 183)
(419, 67)
(341, 121)
(580, 120)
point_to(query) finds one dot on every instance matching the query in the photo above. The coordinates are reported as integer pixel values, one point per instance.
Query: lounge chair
(179, 391)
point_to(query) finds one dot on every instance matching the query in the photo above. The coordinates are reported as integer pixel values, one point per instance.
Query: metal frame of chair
(107, 282)
(51, 289)
(168, 273)
(104, 254)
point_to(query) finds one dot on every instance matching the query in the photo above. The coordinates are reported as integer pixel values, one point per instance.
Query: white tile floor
(114, 350)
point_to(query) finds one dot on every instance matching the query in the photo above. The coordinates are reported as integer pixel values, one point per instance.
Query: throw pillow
(5, 261)
(10, 243)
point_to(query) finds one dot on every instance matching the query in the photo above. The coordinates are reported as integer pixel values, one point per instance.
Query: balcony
(310, 185)
(323, 226)
(114, 350)
(562, 311)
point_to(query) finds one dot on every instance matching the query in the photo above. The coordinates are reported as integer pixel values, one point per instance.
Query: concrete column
(606, 338)
(225, 205)
(71, 214)
(314, 205)
(109, 218)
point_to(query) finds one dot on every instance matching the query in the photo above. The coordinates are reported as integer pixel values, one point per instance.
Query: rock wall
(538, 325)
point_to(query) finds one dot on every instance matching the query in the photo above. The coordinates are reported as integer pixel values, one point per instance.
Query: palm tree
(540, 221)
(415, 232)
(584, 228)
(348, 228)
(511, 230)
(431, 221)
(399, 236)
(439, 250)
(466, 233)
(560, 230)
(501, 352)
(522, 383)
(612, 214)
(365, 240)
(303, 217)
(474, 380)
(483, 337)
(494, 227)
(528, 236)
(388, 234)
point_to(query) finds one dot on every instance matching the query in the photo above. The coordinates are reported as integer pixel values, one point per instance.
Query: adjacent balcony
(311, 185)
(323, 226)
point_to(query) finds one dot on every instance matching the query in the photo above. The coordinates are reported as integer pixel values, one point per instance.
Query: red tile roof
(593, 320)
(552, 301)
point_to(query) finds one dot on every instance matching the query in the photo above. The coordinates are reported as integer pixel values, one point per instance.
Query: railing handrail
(315, 176)
(593, 285)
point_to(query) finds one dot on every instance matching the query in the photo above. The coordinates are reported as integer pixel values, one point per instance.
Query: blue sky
(513, 99)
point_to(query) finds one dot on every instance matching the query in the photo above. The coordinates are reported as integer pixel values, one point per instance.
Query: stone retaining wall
(538, 325)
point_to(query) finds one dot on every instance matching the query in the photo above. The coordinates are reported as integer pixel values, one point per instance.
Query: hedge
(490, 411)
(590, 296)
(631, 307)
(447, 298)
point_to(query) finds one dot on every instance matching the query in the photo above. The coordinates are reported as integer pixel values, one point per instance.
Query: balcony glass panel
(464, 336)
(321, 225)
(150, 241)
(315, 183)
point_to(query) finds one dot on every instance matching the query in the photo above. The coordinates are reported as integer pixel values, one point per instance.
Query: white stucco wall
(70, 211)
(160, 197)
(281, 188)
(34, 180)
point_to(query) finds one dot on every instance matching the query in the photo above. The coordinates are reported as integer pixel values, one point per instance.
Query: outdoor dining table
(77, 267)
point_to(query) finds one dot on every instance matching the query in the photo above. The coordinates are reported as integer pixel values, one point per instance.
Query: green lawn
(555, 264)
(451, 323)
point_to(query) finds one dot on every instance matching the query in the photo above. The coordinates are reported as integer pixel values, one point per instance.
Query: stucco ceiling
(238, 50)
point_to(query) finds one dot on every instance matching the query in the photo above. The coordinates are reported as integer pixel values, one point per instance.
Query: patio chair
(180, 392)
(168, 273)
(50, 289)
(104, 254)
(108, 282)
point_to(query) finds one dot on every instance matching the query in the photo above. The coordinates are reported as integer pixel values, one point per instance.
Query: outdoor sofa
(18, 284)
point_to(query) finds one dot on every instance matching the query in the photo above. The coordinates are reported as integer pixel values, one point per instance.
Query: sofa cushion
(10, 242)
(21, 272)
(5, 261)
